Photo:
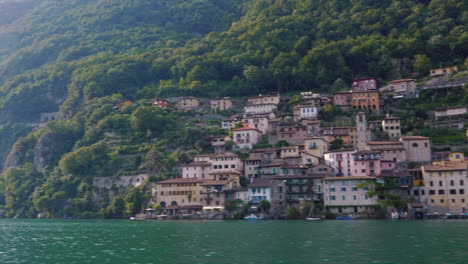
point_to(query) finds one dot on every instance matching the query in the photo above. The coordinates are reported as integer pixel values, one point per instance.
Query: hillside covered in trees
(81, 57)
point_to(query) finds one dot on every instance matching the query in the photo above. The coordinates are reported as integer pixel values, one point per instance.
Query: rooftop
(414, 138)
(246, 128)
(198, 163)
(384, 143)
(446, 166)
(349, 178)
(260, 182)
(402, 80)
(341, 150)
(182, 180)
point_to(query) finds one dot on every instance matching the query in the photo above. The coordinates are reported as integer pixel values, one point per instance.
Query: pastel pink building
(364, 84)
(366, 163)
(340, 160)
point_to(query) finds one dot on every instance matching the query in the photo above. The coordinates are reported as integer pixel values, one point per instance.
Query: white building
(340, 160)
(246, 137)
(259, 108)
(260, 189)
(258, 121)
(343, 195)
(392, 126)
(206, 164)
(305, 111)
(273, 98)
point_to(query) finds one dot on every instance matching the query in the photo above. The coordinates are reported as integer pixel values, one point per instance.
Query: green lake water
(108, 241)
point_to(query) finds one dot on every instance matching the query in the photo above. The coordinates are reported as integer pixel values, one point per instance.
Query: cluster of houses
(303, 169)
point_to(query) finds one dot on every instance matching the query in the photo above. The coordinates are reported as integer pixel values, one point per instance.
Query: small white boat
(252, 217)
(313, 218)
(132, 218)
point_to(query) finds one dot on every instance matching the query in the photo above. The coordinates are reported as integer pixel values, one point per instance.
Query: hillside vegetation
(81, 57)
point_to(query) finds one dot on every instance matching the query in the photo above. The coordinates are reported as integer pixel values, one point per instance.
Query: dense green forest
(80, 57)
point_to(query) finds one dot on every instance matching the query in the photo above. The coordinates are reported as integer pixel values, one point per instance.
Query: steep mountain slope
(79, 57)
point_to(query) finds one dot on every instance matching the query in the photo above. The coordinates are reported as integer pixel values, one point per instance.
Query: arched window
(163, 204)
(174, 203)
(415, 145)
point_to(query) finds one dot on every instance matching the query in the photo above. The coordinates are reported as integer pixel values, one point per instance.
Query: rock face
(44, 151)
(12, 158)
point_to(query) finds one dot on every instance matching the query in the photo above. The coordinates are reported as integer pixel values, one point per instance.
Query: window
(332, 189)
(461, 191)
(333, 198)
(431, 192)
(441, 183)
(453, 200)
(462, 182)
(415, 145)
(366, 197)
(451, 183)
(354, 197)
(343, 189)
(343, 198)
(441, 192)
(431, 183)
(441, 200)
(453, 191)
(354, 189)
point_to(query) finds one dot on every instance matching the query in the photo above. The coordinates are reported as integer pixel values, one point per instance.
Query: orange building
(366, 100)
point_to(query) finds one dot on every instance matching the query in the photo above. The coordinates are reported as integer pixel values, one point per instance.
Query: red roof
(402, 80)
(246, 128)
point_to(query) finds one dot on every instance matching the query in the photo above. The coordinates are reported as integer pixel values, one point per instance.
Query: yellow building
(188, 103)
(221, 104)
(232, 175)
(456, 156)
(366, 100)
(180, 195)
(444, 71)
(446, 188)
(316, 146)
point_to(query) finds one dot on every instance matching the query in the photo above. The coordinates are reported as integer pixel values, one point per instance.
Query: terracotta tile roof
(182, 180)
(384, 143)
(273, 164)
(226, 172)
(446, 166)
(246, 128)
(401, 80)
(413, 137)
(349, 178)
(261, 182)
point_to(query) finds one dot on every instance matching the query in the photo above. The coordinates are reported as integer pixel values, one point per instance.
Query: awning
(213, 207)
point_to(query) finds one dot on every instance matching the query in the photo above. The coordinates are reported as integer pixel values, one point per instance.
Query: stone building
(418, 148)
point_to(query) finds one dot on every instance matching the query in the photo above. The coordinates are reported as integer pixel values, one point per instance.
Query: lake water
(108, 241)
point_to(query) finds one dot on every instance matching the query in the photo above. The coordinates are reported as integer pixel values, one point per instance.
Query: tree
(264, 205)
(422, 63)
(118, 206)
(336, 144)
(281, 143)
(292, 212)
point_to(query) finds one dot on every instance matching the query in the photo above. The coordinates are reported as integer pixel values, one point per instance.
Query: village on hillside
(282, 162)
